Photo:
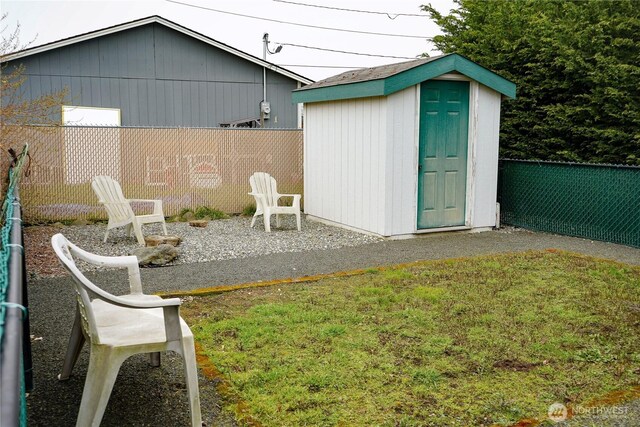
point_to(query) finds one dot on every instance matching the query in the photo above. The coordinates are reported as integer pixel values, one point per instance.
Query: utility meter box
(265, 109)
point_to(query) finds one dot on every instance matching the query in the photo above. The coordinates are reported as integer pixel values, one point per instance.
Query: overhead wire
(298, 24)
(344, 51)
(319, 66)
(388, 14)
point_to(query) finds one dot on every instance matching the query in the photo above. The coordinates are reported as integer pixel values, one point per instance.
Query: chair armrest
(129, 262)
(143, 200)
(157, 204)
(134, 304)
(296, 198)
(106, 261)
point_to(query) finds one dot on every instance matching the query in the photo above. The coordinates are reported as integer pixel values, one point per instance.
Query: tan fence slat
(185, 167)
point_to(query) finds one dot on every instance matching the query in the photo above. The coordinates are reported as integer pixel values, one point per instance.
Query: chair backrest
(263, 183)
(110, 195)
(83, 287)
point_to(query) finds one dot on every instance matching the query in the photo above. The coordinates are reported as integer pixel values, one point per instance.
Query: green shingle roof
(387, 79)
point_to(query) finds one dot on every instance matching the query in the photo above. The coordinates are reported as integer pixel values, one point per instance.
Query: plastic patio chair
(264, 190)
(118, 327)
(119, 208)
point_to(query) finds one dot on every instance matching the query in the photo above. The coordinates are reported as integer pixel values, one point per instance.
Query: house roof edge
(150, 20)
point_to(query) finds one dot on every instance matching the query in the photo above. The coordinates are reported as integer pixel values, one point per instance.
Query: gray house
(154, 72)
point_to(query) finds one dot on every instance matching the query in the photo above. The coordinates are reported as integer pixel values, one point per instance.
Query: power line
(319, 66)
(344, 51)
(388, 14)
(297, 24)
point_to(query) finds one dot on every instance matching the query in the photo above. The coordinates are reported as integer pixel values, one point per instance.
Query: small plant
(595, 355)
(205, 212)
(249, 210)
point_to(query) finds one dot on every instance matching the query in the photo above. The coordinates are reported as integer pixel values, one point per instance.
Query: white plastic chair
(119, 208)
(118, 327)
(264, 189)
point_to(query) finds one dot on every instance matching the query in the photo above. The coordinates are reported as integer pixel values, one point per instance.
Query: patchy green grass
(249, 210)
(481, 341)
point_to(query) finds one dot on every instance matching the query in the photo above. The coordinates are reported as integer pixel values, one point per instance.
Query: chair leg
(298, 219)
(278, 220)
(76, 341)
(164, 228)
(267, 221)
(101, 375)
(253, 220)
(191, 379)
(128, 229)
(154, 359)
(137, 230)
(105, 236)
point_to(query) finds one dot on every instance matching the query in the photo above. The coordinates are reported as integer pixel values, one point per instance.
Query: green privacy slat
(599, 202)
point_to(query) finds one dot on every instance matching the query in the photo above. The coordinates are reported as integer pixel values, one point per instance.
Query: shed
(404, 148)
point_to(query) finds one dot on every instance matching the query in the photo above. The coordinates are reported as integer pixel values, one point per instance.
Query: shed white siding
(344, 162)
(402, 166)
(485, 176)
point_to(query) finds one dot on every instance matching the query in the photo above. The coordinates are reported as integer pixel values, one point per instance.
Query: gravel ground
(222, 239)
(146, 396)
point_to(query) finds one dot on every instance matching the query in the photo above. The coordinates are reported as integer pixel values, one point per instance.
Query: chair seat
(283, 210)
(121, 326)
(150, 218)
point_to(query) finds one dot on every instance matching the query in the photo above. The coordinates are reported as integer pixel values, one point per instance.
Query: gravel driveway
(227, 252)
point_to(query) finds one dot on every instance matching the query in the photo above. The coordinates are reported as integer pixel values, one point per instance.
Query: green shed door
(442, 167)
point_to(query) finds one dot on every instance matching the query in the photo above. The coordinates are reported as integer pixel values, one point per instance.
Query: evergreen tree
(577, 68)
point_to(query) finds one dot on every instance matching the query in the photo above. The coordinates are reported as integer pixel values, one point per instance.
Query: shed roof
(387, 79)
(149, 20)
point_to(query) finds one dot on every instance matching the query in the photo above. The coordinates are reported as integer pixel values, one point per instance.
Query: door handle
(419, 167)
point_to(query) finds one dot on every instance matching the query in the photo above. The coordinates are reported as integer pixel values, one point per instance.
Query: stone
(198, 223)
(58, 225)
(80, 221)
(155, 256)
(156, 240)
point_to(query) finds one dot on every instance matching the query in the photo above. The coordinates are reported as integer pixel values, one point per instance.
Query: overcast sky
(47, 21)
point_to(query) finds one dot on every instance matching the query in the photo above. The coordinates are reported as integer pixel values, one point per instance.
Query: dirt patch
(515, 365)
(40, 258)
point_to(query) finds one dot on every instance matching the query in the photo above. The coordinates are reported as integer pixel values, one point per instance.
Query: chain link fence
(185, 167)
(600, 202)
(15, 345)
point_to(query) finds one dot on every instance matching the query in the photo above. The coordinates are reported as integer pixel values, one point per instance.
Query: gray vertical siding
(160, 77)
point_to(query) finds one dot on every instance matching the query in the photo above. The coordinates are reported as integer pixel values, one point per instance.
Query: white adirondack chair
(264, 189)
(118, 327)
(119, 208)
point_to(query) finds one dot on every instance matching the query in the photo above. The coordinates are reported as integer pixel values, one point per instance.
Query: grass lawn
(478, 341)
